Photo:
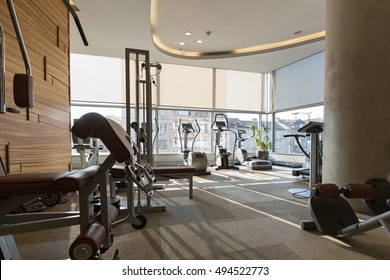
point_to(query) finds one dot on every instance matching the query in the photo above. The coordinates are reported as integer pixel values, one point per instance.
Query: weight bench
(176, 172)
(95, 228)
(161, 173)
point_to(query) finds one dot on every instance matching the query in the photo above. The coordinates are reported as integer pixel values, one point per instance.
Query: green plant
(261, 135)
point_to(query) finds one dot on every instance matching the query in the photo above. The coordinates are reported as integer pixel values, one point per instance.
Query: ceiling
(246, 35)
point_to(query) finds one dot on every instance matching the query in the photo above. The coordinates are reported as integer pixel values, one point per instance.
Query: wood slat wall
(38, 139)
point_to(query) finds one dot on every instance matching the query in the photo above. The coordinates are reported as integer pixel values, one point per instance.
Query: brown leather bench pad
(45, 183)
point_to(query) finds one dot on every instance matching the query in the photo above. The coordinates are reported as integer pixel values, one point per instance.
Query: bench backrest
(113, 136)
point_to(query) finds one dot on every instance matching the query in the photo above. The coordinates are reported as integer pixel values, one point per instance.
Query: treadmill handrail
(296, 136)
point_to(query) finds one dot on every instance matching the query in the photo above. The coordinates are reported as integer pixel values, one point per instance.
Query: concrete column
(357, 92)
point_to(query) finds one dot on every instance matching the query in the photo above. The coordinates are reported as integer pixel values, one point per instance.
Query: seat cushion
(45, 183)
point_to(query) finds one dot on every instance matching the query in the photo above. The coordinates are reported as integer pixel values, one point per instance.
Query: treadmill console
(312, 127)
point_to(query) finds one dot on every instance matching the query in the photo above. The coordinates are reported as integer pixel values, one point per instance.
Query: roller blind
(186, 86)
(300, 83)
(96, 78)
(238, 90)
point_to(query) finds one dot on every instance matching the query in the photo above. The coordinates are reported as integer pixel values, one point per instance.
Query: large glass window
(288, 123)
(200, 93)
(171, 121)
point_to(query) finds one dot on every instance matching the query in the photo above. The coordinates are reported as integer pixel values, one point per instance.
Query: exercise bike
(251, 162)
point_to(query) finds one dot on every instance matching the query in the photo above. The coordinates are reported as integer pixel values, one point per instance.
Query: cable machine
(142, 122)
(142, 129)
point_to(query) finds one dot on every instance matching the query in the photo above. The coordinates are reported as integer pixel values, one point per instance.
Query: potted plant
(263, 142)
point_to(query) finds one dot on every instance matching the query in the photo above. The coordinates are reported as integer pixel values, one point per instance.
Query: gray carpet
(243, 214)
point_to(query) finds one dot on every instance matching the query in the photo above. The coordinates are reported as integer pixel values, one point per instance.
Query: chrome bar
(77, 21)
(19, 37)
(2, 71)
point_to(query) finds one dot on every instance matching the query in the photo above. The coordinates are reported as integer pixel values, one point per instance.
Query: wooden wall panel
(38, 139)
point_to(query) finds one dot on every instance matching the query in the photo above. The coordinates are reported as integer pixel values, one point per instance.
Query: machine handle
(19, 36)
(226, 123)
(296, 136)
(2, 71)
(196, 135)
(77, 21)
(178, 129)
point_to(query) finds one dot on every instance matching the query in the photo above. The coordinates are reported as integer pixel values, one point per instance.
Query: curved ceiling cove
(228, 28)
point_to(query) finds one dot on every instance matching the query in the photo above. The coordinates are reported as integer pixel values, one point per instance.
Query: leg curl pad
(114, 215)
(325, 191)
(364, 191)
(88, 243)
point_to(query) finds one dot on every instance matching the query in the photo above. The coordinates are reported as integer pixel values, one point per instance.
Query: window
(288, 122)
(169, 140)
(200, 93)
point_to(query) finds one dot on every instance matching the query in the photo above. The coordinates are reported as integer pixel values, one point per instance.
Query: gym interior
(158, 130)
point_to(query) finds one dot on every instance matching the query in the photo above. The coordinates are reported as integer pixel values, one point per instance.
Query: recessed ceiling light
(182, 43)
(188, 33)
(199, 41)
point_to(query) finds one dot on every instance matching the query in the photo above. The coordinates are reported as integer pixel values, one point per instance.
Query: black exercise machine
(95, 228)
(305, 171)
(333, 215)
(314, 130)
(221, 155)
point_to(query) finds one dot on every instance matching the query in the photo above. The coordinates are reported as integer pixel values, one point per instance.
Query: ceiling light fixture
(188, 33)
(199, 41)
(182, 43)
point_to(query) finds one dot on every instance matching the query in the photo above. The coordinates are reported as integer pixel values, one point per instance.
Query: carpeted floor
(234, 215)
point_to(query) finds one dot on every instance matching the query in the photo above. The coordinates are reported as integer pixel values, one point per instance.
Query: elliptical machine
(221, 155)
(197, 160)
